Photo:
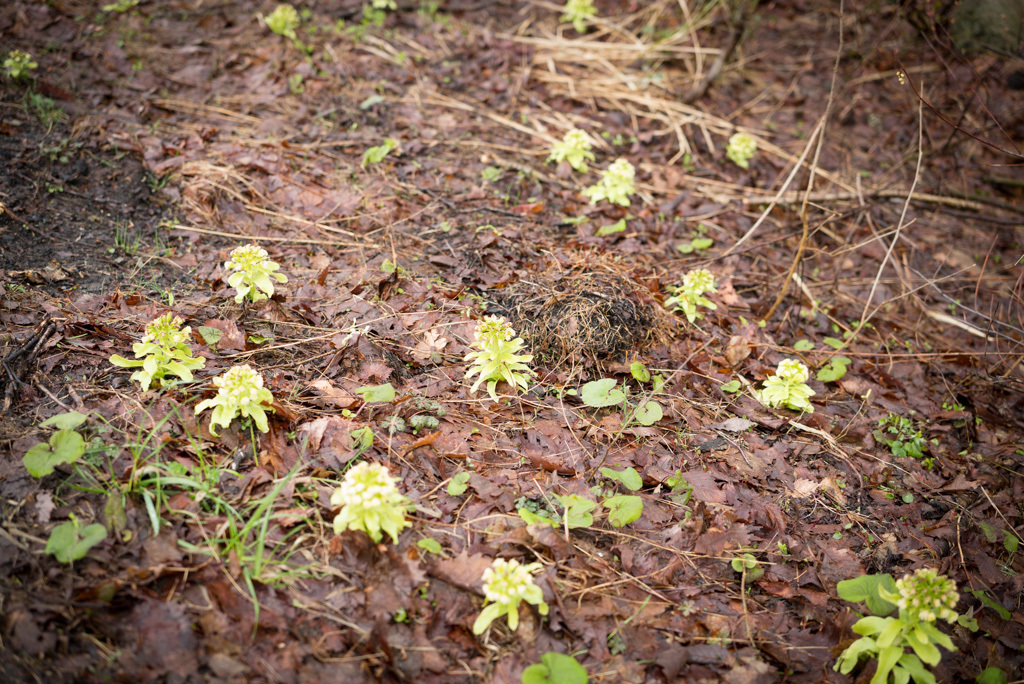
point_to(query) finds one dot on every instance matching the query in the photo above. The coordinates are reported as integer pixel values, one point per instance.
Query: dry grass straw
(584, 313)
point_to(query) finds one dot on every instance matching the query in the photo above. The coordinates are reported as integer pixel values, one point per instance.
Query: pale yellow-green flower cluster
(927, 596)
(506, 585)
(578, 12)
(166, 332)
(163, 351)
(575, 148)
(283, 21)
(616, 184)
(18, 64)
(498, 357)
(240, 392)
(687, 297)
(788, 387)
(252, 273)
(741, 149)
(370, 501)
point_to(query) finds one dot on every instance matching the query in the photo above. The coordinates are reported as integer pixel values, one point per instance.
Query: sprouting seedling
(70, 541)
(788, 387)
(18, 65)
(254, 273)
(497, 357)
(240, 392)
(65, 446)
(616, 184)
(741, 149)
(922, 598)
(376, 154)
(370, 501)
(163, 351)
(688, 296)
(574, 148)
(384, 5)
(506, 585)
(578, 12)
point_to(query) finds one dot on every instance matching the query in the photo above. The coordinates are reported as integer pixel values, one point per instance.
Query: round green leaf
(38, 460)
(376, 394)
(429, 544)
(623, 510)
(649, 414)
(730, 387)
(600, 393)
(639, 372)
(65, 421)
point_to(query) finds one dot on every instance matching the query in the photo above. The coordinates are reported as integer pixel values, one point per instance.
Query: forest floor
(153, 139)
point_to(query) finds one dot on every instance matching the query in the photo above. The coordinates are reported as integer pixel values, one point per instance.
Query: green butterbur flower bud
(252, 273)
(575, 148)
(18, 64)
(788, 387)
(163, 351)
(927, 596)
(616, 185)
(497, 357)
(687, 297)
(741, 149)
(283, 21)
(370, 502)
(578, 12)
(506, 585)
(166, 332)
(240, 392)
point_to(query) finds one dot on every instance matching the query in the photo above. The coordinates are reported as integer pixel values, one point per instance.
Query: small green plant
(18, 65)
(575, 148)
(370, 501)
(741, 149)
(360, 440)
(578, 12)
(64, 446)
(422, 422)
(616, 184)
(375, 155)
(834, 370)
(384, 5)
(788, 387)
(43, 108)
(577, 512)
(240, 392)
(605, 392)
(748, 567)
(498, 357)
(459, 483)
(377, 394)
(69, 541)
(121, 6)
(901, 437)
(254, 273)
(555, 668)
(698, 240)
(922, 598)
(506, 585)
(283, 21)
(687, 297)
(623, 509)
(163, 351)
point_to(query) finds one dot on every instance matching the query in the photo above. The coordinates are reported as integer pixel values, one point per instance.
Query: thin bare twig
(810, 181)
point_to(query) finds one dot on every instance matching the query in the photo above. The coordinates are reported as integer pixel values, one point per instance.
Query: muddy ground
(154, 138)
